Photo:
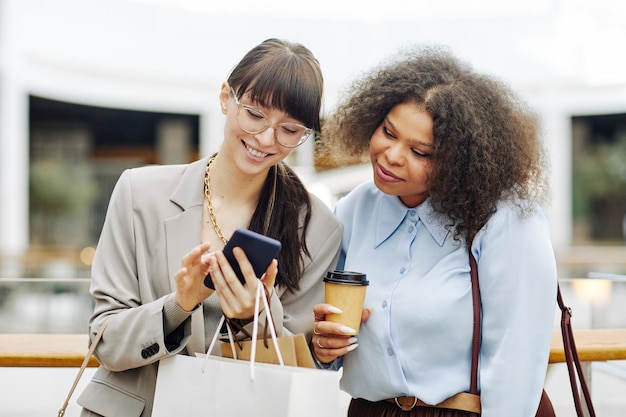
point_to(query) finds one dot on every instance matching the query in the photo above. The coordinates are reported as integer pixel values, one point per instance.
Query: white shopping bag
(225, 389)
(221, 387)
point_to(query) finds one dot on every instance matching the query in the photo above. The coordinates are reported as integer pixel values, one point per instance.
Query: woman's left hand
(237, 299)
(331, 340)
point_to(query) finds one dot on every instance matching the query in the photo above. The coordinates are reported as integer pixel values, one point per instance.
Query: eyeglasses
(252, 120)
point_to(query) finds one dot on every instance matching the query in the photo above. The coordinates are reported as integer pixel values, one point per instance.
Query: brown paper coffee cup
(346, 291)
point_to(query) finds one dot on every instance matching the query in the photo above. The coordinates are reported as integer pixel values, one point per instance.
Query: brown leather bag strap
(476, 335)
(569, 345)
(571, 357)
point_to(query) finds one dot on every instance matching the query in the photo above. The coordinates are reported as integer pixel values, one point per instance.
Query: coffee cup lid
(346, 278)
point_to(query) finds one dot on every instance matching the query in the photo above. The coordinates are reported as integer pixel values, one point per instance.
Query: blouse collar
(391, 212)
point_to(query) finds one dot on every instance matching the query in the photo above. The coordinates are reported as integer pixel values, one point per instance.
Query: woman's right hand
(236, 299)
(190, 288)
(331, 340)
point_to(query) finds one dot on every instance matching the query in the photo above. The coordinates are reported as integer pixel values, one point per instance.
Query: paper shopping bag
(293, 349)
(224, 388)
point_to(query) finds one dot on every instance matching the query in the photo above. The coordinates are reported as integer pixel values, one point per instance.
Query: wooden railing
(597, 345)
(69, 350)
(44, 350)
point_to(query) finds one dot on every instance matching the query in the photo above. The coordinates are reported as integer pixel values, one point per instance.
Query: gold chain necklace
(208, 196)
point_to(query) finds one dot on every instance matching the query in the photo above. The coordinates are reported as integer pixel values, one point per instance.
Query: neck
(230, 184)
(232, 203)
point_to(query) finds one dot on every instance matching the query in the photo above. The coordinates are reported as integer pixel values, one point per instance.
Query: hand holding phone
(259, 249)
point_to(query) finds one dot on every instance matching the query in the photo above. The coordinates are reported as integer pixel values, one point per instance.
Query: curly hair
(487, 144)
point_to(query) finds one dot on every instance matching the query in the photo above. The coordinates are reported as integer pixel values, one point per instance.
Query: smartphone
(259, 249)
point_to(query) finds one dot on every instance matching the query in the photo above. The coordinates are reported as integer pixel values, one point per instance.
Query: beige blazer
(152, 222)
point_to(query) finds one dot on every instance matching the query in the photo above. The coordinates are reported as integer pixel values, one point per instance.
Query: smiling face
(283, 80)
(400, 152)
(252, 153)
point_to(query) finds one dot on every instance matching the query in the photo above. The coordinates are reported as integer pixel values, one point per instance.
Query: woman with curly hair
(459, 169)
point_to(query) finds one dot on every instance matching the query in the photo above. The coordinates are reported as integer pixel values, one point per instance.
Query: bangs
(288, 84)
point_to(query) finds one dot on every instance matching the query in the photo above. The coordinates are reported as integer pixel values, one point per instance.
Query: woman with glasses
(166, 226)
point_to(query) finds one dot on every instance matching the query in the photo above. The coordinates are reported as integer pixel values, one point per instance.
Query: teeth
(256, 153)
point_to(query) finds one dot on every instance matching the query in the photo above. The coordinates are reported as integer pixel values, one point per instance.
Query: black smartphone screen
(259, 249)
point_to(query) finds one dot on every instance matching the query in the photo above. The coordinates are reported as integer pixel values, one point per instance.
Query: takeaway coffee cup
(346, 291)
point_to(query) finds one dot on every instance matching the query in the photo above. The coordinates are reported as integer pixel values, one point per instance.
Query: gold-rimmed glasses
(252, 120)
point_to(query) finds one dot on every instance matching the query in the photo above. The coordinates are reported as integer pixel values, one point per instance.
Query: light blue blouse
(417, 340)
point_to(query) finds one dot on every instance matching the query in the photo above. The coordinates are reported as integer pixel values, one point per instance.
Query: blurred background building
(89, 88)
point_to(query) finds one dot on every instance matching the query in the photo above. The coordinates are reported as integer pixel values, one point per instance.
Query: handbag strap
(476, 333)
(571, 356)
(569, 345)
(92, 348)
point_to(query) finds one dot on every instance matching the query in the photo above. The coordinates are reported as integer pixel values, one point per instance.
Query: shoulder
(320, 211)
(159, 180)
(510, 215)
(155, 174)
(324, 225)
(361, 197)
(516, 228)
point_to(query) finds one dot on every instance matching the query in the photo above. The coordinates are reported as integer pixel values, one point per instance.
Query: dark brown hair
(282, 75)
(487, 142)
(285, 76)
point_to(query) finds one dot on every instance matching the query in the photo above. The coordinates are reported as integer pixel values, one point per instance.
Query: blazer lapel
(183, 233)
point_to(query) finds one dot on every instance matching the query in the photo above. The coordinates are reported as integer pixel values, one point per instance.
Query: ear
(224, 96)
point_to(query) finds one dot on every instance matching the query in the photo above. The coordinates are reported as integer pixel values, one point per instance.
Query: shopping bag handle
(235, 326)
(260, 294)
(255, 328)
